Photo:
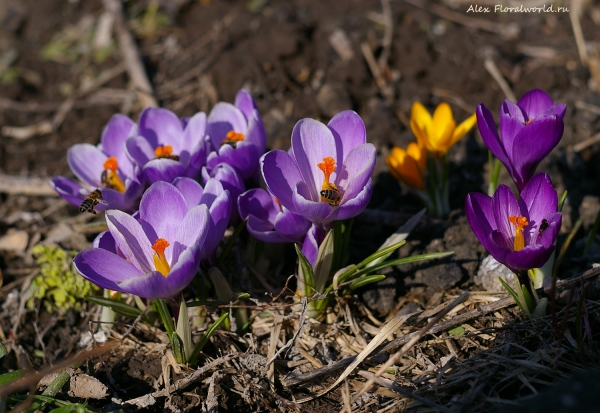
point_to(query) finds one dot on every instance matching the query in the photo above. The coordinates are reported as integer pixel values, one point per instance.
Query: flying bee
(331, 195)
(543, 226)
(94, 198)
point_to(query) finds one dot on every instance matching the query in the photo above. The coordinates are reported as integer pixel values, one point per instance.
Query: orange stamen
(163, 151)
(111, 164)
(519, 223)
(160, 262)
(234, 136)
(528, 121)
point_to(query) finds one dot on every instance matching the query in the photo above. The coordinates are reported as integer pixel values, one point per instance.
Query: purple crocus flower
(106, 167)
(160, 253)
(219, 203)
(327, 177)
(167, 147)
(237, 135)
(529, 130)
(518, 233)
(231, 181)
(313, 240)
(268, 220)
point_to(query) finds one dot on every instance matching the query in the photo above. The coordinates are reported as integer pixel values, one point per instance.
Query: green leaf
(457, 331)
(306, 272)
(369, 260)
(562, 200)
(222, 287)
(72, 408)
(368, 279)
(405, 260)
(324, 262)
(512, 293)
(165, 315)
(396, 240)
(11, 376)
(206, 337)
(183, 328)
(528, 300)
(3, 350)
(118, 307)
(540, 308)
(178, 348)
(240, 296)
(380, 255)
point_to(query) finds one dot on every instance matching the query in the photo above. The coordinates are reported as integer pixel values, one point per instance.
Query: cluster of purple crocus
(151, 170)
(520, 232)
(162, 223)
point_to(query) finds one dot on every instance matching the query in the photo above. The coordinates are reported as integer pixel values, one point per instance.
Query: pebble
(488, 273)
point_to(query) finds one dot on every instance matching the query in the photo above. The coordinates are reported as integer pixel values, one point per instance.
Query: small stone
(14, 240)
(87, 387)
(488, 273)
(332, 99)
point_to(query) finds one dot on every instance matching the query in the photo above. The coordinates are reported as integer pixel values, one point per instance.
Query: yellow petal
(420, 121)
(442, 128)
(462, 129)
(418, 154)
(404, 168)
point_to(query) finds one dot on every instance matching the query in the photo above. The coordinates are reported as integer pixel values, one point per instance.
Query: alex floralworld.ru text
(498, 8)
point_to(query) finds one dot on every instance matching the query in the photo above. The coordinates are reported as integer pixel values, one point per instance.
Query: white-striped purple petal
(312, 142)
(87, 163)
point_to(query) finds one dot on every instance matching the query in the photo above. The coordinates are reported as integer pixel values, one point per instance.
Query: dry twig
(131, 55)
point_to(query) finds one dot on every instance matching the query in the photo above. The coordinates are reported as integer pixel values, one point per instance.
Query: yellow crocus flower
(438, 133)
(408, 165)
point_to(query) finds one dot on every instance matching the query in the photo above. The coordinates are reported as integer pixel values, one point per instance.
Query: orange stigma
(160, 262)
(111, 164)
(109, 177)
(328, 167)
(329, 192)
(519, 223)
(163, 151)
(233, 136)
(528, 121)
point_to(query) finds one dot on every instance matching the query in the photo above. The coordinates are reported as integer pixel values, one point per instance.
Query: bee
(106, 179)
(94, 198)
(331, 195)
(171, 157)
(543, 226)
(229, 142)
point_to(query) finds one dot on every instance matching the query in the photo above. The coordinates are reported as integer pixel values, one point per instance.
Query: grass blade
(165, 315)
(369, 279)
(307, 275)
(512, 293)
(206, 337)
